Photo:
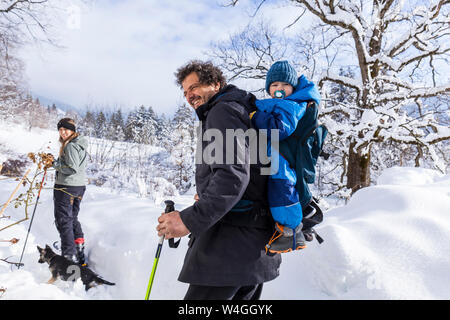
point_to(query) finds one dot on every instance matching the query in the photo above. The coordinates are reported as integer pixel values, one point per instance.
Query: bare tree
(398, 49)
(26, 20)
(21, 21)
(248, 54)
(11, 79)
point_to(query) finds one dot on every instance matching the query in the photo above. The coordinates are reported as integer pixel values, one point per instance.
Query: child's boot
(286, 239)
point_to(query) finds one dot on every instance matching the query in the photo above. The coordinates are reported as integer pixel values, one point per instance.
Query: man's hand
(171, 226)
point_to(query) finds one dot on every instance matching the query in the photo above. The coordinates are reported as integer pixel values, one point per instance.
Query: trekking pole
(170, 206)
(31, 222)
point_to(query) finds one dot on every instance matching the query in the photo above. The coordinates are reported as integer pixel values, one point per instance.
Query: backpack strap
(310, 132)
(243, 205)
(311, 104)
(248, 213)
(312, 215)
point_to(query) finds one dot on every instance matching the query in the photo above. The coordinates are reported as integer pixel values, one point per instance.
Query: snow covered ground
(391, 241)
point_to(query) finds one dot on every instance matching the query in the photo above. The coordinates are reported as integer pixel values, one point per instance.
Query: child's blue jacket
(284, 115)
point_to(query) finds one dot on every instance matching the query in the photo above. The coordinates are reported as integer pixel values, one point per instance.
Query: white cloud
(126, 52)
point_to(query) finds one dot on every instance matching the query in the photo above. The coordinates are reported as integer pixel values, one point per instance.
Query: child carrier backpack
(301, 150)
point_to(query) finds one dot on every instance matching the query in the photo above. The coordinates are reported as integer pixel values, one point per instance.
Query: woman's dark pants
(67, 205)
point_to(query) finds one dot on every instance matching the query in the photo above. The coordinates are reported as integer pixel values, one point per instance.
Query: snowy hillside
(391, 241)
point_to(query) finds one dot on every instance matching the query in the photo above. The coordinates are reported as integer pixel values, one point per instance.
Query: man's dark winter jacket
(227, 248)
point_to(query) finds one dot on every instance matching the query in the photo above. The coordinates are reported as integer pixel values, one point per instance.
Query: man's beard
(197, 101)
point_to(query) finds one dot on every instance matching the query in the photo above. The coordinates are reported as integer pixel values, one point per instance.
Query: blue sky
(124, 53)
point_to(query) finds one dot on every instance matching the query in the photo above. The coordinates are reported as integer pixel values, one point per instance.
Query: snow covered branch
(389, 56)
(7, 6)
(342, 80)
(412, 93)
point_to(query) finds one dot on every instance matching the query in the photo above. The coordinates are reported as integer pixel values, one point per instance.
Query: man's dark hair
(206, 71)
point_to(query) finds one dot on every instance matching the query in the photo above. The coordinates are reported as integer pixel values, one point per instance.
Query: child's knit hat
(281, 71)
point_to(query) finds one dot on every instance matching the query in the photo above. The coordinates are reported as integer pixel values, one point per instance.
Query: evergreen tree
(141, 134)
(151, 126)
(183, 146)
(184, 117)
(100, 125)
(163, 131)
(134, 128)
(129, 126)
(141, 126)
(116, 127)
(87, 126)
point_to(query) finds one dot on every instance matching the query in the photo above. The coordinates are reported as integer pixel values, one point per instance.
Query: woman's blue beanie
(281, 71)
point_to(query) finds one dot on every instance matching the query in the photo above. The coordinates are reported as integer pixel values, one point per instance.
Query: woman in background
(70, 185)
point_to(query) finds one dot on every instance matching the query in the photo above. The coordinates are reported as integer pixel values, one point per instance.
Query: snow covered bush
(159, 189)
(13, 167)
(147, 170)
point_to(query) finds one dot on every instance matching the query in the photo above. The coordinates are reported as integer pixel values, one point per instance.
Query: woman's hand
(48, 160)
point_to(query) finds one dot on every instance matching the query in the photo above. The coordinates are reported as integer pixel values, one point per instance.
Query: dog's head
(45, 254)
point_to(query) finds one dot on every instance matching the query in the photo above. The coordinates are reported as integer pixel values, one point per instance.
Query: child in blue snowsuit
(290, 96)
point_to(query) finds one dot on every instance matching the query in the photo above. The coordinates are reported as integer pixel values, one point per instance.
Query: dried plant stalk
(14, 192)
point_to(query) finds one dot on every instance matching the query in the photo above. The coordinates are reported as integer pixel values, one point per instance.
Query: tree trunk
(358, 169)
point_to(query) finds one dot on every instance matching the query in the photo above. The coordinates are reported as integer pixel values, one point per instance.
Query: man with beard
(230, 223)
